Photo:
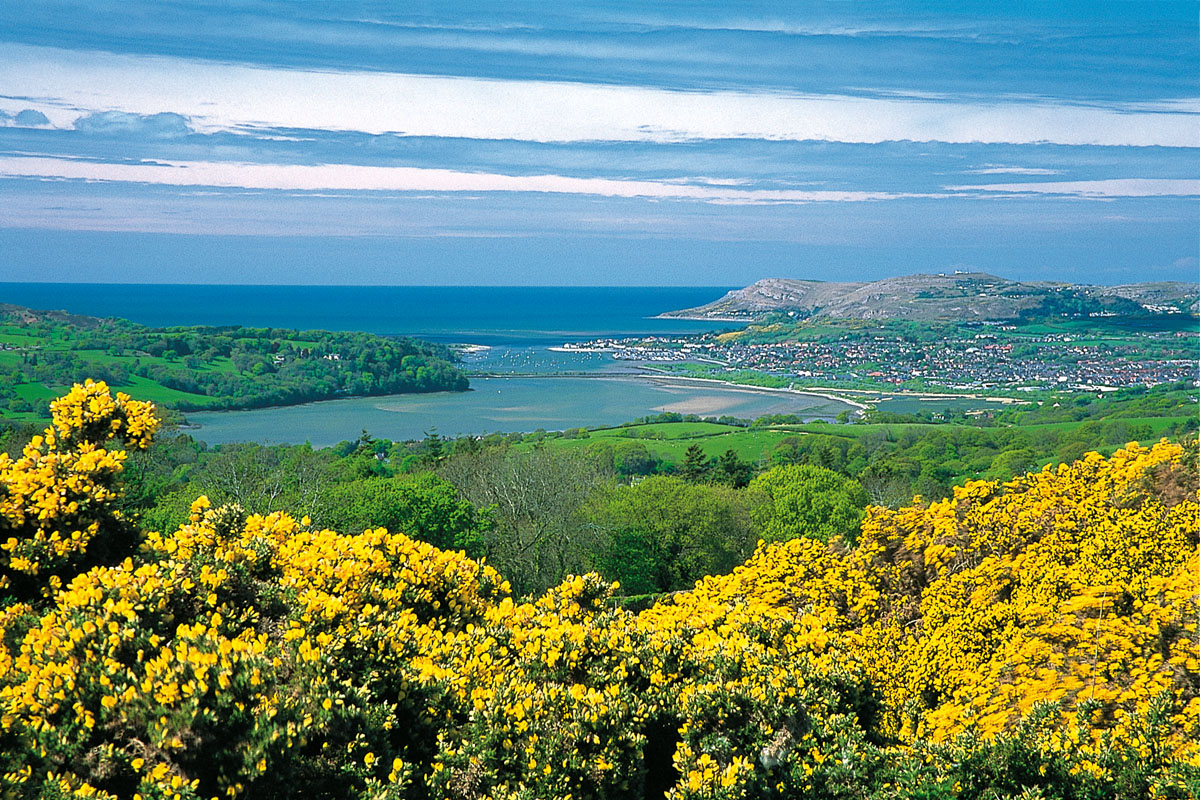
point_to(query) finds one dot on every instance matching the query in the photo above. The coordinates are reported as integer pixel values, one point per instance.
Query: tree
(732, 470)
(1011, 463)
(535, 496)
(889, 481)
(806, 500)
(663, 533)
(632, 458)
(248, 474)
(432, 446)
(422, 506)
(695, 465)
(263, 479)
(151, 473)
(787, 451)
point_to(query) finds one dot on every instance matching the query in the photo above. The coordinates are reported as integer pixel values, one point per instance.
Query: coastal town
(967, 363)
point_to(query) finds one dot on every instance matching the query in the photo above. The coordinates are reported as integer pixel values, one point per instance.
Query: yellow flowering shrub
(1066, 586)
(1059, 587)
(1034, 636)
(54, 498)
(236, 649)
(955, 619)
(544, 694)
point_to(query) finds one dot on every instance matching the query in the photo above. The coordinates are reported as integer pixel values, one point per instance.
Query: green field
(909, 405)
(664, 430)
(138, 386)
(1157, 424)
(155, 392)
(670, 440)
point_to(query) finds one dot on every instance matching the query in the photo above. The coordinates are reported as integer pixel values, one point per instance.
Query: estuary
(502, 404)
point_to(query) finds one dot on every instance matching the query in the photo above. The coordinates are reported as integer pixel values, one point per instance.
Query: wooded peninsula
(207, 368)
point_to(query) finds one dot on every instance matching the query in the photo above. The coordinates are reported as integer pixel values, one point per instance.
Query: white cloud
(360, 178)
(1115, 187)
(353, 177)
(1012, 171)
(218, 96)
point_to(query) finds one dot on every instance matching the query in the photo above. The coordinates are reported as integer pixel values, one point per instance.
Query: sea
(516, 333)
(490, 315)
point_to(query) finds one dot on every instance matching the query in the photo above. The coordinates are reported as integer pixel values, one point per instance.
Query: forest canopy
(202, 367)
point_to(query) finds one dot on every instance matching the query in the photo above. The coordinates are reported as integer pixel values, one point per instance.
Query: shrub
(1032, 639)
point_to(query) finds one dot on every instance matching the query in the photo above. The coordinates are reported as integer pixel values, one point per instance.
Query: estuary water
(501, 404)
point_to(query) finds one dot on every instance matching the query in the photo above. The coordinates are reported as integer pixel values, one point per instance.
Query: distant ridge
(21, 315)
(961, 296)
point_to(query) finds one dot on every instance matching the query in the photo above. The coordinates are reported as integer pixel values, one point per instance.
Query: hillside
(1031, 639)
(20, 315)
(203, 367)
(958, 297)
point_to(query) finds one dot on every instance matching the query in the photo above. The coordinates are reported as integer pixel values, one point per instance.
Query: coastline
(841, 395)
(698, 318)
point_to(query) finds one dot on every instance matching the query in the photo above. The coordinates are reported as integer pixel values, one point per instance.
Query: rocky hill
(962, 296)
(20, 315)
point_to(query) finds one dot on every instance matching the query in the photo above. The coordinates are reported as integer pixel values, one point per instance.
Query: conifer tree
(695, 465)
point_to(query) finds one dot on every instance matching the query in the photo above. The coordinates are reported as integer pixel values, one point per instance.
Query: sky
(597, 143)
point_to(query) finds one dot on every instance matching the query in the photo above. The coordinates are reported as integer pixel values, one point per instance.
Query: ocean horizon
(528, 315)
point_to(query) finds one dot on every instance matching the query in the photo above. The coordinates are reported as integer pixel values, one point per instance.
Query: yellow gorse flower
(259, 647)
(54, 498)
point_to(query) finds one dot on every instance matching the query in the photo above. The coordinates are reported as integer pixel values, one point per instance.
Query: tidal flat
(502, 404)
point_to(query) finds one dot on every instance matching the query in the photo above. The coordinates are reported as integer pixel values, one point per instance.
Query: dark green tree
(632, 458)
(695, 466)
(732, 470)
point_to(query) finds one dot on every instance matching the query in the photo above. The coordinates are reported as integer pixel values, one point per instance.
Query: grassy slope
(670, 440)
(142, 388)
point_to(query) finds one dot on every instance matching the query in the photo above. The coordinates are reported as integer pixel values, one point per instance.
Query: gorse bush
(56, 514)
(1036, 638)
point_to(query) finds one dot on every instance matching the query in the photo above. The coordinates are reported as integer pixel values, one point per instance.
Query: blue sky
(702, 143)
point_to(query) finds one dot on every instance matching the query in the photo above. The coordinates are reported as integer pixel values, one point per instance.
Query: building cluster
(979, 362)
